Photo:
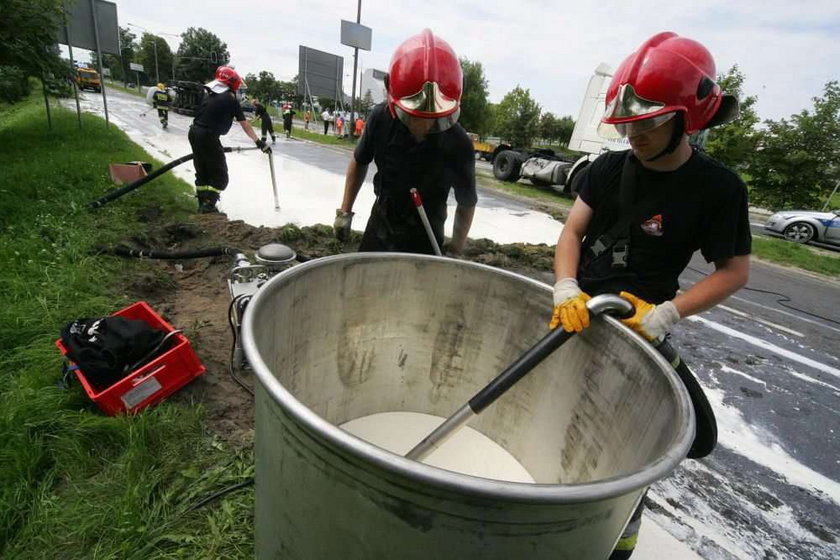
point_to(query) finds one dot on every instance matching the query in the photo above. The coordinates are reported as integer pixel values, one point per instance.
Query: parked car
(802, 226)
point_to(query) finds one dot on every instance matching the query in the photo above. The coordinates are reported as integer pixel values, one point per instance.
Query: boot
(273, 140)
(207, 202)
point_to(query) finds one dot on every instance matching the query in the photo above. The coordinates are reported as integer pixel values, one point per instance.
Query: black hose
(220, 493)
(168, 255)
(116, 193)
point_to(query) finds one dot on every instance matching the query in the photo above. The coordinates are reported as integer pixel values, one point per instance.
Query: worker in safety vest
(416, 142)
(642, 214)
(218, 109)
(161, 100)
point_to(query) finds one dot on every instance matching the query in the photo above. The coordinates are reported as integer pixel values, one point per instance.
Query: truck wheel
(506, 166)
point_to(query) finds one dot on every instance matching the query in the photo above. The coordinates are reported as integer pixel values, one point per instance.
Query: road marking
(767, 346)
(788, 313)
(760, 320)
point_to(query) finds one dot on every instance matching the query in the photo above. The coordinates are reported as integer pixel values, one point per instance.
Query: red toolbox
(153, 382)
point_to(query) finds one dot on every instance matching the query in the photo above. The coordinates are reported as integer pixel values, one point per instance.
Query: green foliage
(146, 57)
(798, 160)
(474, 114)
(14, 84)
(793, 254)
(74, 483)
(365, 104)
(735, 143)
(264, 87)
(119, 65)
(518, 117)
(199, 54)
(556, 130)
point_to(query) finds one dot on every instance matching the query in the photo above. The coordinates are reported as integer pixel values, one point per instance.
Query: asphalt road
(768, 359)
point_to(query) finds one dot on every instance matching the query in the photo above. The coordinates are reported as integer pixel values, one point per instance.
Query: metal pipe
(418, 202)
(513, 373)
(273, 180)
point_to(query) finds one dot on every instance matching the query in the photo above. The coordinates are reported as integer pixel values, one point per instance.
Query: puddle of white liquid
(467, 452)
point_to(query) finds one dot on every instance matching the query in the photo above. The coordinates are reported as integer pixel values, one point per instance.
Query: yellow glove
(649, 320)
(569, 306)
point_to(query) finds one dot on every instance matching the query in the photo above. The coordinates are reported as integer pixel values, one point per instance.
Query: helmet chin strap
(676, 137)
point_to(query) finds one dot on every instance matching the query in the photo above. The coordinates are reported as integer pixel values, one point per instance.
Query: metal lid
(275, 254)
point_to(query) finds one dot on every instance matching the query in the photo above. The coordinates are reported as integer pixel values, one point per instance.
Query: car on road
(802, 226)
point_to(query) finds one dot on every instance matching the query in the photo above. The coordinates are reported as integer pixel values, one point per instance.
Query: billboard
(355, 35)
(320, 74)
(80, 25)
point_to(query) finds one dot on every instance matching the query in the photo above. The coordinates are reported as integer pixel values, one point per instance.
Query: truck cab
(87, 78)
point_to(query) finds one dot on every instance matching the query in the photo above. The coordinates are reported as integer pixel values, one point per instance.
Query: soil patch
(193, 295)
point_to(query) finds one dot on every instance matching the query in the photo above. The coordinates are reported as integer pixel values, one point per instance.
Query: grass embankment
(73, 482)
(784, 252)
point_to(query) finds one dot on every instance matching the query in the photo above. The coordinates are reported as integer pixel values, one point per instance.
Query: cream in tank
(468, 451)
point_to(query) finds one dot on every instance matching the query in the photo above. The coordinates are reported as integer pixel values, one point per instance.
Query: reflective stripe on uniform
(627, 543)
(207, 188)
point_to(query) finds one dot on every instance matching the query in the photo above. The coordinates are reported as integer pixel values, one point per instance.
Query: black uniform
(213, 119)
(267, 126)
(287, 121)
(433, 167)
(161, 101)
(702, 205)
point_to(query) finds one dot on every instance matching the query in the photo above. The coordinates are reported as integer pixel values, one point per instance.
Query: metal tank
(347, 336)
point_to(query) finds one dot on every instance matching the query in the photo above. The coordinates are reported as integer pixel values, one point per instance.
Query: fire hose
(117, 193)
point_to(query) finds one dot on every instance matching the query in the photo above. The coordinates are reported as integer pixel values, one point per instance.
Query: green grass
(784, 252)
(75, 483)
(523, 189)
(114, 85)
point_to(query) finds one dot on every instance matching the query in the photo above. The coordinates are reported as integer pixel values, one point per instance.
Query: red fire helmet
(665, 75)
(226, 78)
(425, 81)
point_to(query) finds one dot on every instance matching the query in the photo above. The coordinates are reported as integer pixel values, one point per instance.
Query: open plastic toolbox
(153, 382)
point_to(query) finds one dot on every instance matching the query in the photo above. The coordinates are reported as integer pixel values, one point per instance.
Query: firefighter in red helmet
(642, 214)
(213, 119)
(416, 141)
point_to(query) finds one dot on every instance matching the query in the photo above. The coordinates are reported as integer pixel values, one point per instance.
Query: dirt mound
(193, 295)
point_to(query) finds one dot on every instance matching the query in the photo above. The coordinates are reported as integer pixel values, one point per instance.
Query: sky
(787, 50)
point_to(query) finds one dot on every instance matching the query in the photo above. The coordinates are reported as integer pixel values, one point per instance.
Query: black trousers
(326, 127)
(398, 229)
(267, 126)
(209, 158)
(163, 114)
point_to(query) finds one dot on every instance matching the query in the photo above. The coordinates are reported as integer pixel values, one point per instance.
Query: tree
(365, 103)
(27, 28)
(264, 87)
(119, 65)
(735, 143)
(146, 57)
(798, 160)
(517, 118)
(199, 54)
(474, 114)
(554, 130)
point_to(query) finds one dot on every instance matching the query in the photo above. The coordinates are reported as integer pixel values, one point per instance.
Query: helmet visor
(430, 101)
(423, 126)
(633, 128)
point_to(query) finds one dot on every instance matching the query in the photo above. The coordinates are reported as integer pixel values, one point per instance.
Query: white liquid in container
(467, 452)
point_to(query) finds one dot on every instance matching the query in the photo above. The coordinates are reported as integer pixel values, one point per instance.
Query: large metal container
(347, 336)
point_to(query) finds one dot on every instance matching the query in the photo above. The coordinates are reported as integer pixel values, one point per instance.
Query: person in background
(416, 142)
(360, 126)
(642, 213)
(161, 100)
(326, 116)
(288, 113)
(266, 126)
(306, 116)
(215, 114)
(339, 123)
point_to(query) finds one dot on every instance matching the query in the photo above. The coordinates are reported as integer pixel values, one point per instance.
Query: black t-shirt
(702, 205)
(433, 167)
(260, 112)
(217, 111)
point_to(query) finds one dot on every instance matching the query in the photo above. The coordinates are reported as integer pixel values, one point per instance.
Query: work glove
(649, 320)
(569, 306)
(342, 223)
(266, 149)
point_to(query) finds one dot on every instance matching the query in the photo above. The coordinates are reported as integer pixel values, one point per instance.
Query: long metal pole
(99, 59)
(46, 101)
(73, 66)
(157, 72)
(418, 202)
(355, 63)
(273, 180)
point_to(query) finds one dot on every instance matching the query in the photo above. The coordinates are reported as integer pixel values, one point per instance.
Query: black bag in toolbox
(107, 349)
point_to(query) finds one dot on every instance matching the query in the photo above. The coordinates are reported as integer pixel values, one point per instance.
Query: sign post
(357, 36)
(137, 69)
